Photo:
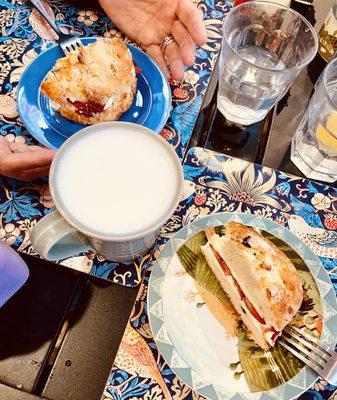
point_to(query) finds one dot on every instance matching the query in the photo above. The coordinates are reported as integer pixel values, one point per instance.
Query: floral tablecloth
(25, 34)
(215, 183)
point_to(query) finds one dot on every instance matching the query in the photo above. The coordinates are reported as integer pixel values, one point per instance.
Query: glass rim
(306, 60)
(329, 66)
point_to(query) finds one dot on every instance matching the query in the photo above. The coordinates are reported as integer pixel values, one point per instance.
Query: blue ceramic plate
(151, 106)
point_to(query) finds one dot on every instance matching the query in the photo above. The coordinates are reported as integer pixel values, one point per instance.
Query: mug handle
(53, 238)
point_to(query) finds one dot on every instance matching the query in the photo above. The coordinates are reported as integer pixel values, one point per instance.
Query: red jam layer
(87, 109)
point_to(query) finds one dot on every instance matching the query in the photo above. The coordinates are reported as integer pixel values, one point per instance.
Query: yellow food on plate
(94, 83)
(331, 123)
(325, 138)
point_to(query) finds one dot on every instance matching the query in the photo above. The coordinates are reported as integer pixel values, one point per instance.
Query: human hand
(148, 22)
(29, 163)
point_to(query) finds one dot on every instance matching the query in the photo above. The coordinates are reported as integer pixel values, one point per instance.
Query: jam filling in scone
(88, 109)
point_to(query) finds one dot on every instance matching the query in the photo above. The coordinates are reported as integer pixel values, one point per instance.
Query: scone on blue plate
(95, 83)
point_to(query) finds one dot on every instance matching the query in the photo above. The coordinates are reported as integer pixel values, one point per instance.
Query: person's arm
(20, 161)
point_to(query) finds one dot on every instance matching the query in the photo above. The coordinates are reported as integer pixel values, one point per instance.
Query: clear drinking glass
(264, 47)
(314, 145)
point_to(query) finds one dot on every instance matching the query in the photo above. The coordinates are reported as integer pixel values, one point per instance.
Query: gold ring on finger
(165, 42)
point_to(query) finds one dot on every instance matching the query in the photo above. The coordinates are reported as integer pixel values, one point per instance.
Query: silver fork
(319, 357)
(67, 42)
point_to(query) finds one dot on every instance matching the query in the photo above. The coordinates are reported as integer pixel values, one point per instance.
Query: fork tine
(302, 350)
(299, 356)
(66, 48)
(71, 45)
(320, 345)
(78, 42)
(308, 344)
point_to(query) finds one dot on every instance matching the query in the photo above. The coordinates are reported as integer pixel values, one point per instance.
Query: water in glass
(264, 47)
(244, 100)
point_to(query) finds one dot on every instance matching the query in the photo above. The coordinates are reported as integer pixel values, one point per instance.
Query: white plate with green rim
(197, 347)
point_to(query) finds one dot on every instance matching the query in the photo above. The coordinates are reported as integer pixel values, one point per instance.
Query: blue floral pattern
(215, 183)
(24, 35)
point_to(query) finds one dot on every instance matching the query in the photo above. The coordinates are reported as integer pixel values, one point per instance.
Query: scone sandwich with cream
(260, 280)
(94, 83)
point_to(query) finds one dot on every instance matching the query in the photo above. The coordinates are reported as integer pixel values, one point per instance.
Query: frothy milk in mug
(113, 184)
(117, 183)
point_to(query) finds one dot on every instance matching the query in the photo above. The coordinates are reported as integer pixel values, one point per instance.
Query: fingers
(175, 61)
(33, 162)
(32, 174)
(32, 157)
(27, 175)
(185, 42)
(7, 169)
(155, 52)
(191, 17)
(13, 146)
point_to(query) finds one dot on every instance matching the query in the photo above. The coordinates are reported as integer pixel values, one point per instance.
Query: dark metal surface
(8, 393)
(247, 143)
(91, 343)
(60, 333)
(29, 322)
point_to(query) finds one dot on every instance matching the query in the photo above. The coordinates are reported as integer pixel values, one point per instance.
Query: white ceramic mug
(60, 234)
